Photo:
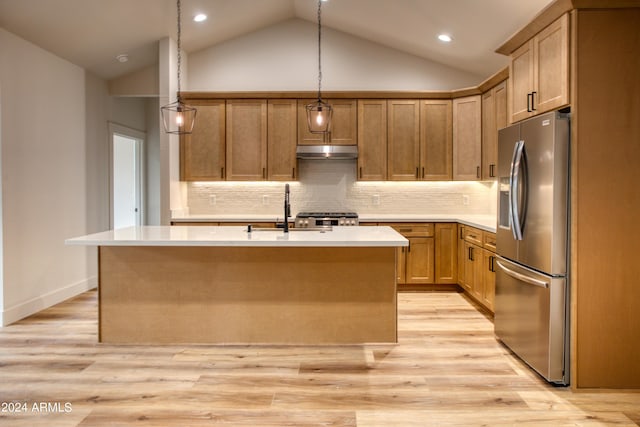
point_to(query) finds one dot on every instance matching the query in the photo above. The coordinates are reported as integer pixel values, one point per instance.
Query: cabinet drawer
(414, 230)
(489, 241)
(473, 235)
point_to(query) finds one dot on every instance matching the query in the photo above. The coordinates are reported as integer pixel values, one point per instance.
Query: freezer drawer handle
(522, 277)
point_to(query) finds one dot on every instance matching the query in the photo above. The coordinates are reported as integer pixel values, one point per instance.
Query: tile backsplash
(331, 185)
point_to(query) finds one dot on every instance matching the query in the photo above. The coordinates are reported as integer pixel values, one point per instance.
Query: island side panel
(236, 295)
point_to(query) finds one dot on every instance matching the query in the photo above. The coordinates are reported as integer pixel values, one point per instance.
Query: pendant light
(319, 113)
(178, 118)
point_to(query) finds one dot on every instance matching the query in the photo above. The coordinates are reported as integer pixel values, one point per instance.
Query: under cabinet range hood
(318, 152)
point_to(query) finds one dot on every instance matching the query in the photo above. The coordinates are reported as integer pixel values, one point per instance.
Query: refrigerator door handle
(514, 187)
(522, 277)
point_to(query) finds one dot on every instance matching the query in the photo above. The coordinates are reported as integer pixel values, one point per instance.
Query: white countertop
(238, 236)
(483, 222)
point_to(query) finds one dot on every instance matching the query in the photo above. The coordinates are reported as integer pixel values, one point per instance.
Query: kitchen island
(225, 285)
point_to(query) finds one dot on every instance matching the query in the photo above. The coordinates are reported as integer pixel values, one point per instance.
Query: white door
(126, 178)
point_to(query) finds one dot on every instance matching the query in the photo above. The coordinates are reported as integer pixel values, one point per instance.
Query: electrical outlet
(212, 200)
(375, 199)
(265, 200)
(465, 199)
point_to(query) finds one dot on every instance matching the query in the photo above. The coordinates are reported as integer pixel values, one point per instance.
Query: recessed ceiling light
(444, 38)
(123, 57)
(200, 17)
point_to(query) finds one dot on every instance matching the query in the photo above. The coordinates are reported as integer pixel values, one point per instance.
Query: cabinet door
(420, 260)
(551, 74)
(403, 145)
(436, 140)
(202, 153)
(473, 271)
(372, 140)
(446, 253)
(467, 138)
(521, 81)
(462, 256)
(281, 139)
(489, 134)
(494, 118)
(343, 130)
(488, 279)
(304, 136)
(246, 140)
(401, 262)
(469, 266)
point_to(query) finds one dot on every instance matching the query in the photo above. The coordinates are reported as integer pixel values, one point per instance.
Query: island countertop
(382, 236)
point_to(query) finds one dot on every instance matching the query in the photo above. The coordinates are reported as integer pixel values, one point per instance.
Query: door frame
(140, 137)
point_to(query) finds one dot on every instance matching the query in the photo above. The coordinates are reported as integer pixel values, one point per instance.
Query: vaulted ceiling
(91, 33)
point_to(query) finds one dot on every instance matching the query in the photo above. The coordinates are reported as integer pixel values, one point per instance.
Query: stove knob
(306, 222)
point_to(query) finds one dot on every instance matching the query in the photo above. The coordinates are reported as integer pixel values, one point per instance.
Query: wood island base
(247, 295)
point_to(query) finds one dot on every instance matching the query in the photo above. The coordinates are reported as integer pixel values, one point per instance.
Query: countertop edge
(483, 222)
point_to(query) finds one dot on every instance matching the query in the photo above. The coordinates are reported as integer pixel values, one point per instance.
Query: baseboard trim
(34, 305)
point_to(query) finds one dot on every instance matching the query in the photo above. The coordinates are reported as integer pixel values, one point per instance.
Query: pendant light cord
(319, 49)
(179, 47)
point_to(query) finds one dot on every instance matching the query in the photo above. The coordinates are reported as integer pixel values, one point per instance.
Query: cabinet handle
(405, 230)
(360, 172)
(409, 247)
(477, 171)
(423, 172)
(222, 172)
(470, 255)
(492, 171)
(491, 266)
(293, 172)
(264, 173)
(529, 102)
(533, 105)
(417, 172)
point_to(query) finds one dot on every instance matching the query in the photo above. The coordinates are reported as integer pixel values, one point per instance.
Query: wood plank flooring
(446, 370)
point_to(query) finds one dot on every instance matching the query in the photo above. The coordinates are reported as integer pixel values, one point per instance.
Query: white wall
(285, 57)
(152, 161)
(51, 176)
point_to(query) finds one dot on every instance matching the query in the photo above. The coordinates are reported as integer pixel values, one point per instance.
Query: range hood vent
(320, 152)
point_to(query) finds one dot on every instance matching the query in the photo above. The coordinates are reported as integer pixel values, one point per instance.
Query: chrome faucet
(287, 208)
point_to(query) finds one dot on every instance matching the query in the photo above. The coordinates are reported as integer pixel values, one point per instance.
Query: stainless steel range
(326, 219)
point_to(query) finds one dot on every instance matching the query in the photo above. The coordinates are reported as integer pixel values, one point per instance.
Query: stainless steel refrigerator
(531, 305)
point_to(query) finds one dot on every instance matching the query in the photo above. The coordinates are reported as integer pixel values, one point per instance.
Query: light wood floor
(446, 370)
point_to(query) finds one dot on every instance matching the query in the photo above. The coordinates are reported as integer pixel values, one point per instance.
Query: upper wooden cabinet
(419, 140)
(343, 130)
(246, 140)
(436, 140)
(372, 140)
(494, 117)
(539, 72)
(281, 139)
(403, 144)
(202, 153)
(467, 138)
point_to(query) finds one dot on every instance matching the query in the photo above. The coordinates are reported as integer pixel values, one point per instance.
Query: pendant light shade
(319, 113)
(178, 118)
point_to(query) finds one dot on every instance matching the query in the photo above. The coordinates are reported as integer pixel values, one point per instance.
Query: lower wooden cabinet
(446, 253)
(478, 258)
(488, 279)
(431, 257)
